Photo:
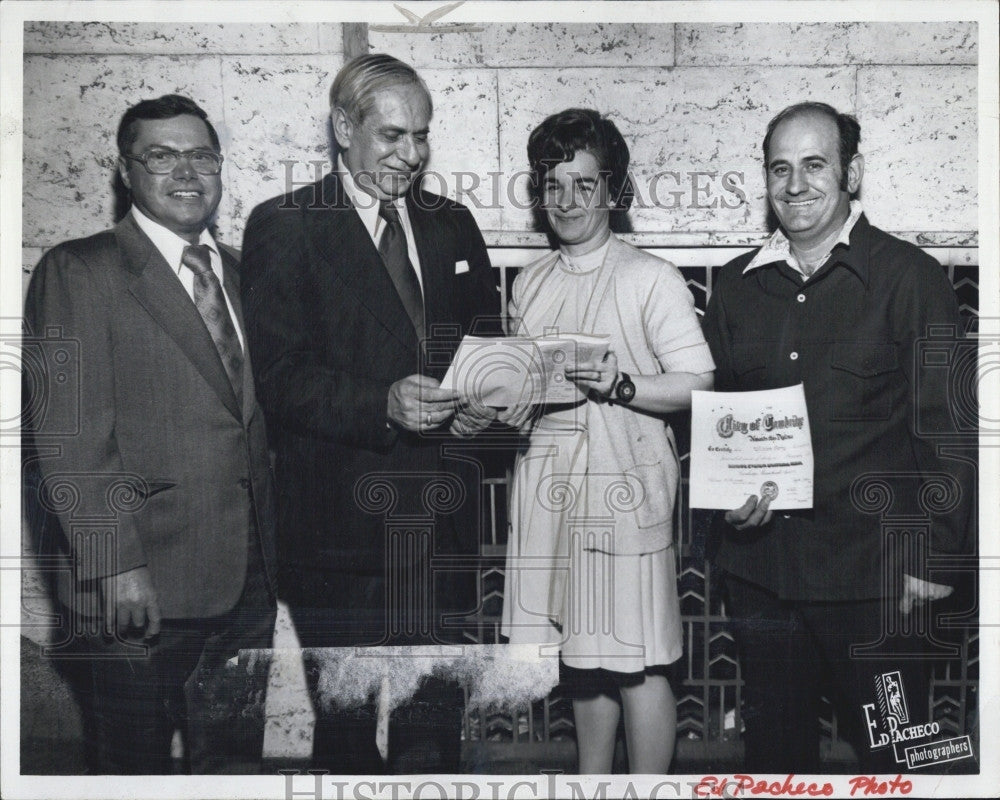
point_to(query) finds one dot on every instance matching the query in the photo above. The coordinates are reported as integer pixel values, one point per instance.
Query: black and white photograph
(499, 399)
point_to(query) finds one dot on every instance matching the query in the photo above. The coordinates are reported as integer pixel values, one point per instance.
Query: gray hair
(363, 77)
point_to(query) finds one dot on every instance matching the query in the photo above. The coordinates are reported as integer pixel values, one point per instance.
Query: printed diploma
(745, 443)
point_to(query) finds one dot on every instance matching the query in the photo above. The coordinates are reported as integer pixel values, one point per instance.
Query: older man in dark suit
(171, 440)
(356, 288)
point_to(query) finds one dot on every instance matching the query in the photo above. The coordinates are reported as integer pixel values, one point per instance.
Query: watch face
(625, 390)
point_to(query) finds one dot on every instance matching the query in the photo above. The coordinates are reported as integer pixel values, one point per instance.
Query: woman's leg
(650, 725)
(596, 721)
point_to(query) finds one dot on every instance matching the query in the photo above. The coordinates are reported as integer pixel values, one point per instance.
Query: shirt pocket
(749, 365)
(862, 380)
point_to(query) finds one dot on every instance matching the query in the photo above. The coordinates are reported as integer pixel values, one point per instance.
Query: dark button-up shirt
(854, 334)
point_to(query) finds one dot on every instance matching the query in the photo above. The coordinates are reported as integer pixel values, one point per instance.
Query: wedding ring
(428, 419)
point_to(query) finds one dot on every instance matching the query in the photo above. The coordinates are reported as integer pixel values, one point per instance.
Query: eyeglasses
(163, 161)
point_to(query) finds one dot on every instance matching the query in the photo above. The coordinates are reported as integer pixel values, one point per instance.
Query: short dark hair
(848, 131)
(363, 77)
(561, 136)
(166, 107)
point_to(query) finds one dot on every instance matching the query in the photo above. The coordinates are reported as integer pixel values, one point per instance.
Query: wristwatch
(624, 389)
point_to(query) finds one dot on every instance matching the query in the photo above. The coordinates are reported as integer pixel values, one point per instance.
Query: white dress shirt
(171, 247)
(367, 208)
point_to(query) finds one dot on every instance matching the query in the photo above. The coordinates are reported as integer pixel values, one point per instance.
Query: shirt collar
(170, 245)
(777, 247)
(364, 203)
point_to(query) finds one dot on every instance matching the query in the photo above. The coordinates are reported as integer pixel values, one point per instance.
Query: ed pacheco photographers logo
(888, 725)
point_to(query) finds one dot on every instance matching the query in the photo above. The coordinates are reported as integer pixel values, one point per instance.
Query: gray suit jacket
(141, 448)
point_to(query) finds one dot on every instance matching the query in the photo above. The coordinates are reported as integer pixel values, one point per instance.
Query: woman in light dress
(591, 567)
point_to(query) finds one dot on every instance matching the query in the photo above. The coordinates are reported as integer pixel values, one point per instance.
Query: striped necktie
(211, 304)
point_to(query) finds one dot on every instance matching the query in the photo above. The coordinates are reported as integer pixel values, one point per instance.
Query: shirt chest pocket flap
(863, 380)
(749, 362)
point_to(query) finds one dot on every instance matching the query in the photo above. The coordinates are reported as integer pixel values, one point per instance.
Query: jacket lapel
(433, 254)
(341, 239)
(231, 284)
(157, 289)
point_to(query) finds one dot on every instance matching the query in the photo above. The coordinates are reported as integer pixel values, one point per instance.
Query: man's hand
(751, 514)
(595, 376)
(471, 418)
(130, 602)
(918, 591)
(417, 403)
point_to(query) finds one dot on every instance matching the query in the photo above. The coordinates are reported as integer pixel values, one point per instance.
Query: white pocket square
(461, 267)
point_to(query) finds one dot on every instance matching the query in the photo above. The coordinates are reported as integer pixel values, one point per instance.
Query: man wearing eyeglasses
(170, 453)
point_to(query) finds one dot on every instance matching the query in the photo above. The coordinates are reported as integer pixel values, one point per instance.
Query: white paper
(505, 371)
(745, 443)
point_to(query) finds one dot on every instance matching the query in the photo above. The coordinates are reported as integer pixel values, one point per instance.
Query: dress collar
(587, 262)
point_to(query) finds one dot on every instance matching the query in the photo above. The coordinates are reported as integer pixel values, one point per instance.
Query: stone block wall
(691, 99)
(263, 86)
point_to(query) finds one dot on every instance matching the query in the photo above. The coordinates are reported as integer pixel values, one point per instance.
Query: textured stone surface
(431, 49)
(691, 127)
(919, 137)
(464, 138)
(279, 107)
(29, 258)
(549, 44)
(268, 99)
(829, 43)
(331, 40)
(290, 720)
(576, 45)
(162, 38)
(72, 105)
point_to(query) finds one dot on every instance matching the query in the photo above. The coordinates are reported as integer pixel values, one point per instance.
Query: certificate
(745, 443)
(511, 370)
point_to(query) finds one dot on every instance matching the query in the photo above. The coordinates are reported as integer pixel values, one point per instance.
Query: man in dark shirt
(818, 596)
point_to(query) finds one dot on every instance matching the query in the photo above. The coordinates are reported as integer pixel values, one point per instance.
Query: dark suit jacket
(330, 336)
(151, 444)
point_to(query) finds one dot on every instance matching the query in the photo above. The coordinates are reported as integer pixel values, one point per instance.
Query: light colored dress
(591, 567)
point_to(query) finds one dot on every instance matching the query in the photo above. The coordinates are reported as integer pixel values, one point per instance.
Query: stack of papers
(507, 371)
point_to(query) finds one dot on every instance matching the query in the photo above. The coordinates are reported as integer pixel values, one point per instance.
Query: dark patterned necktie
(211, 304)
(392, 248)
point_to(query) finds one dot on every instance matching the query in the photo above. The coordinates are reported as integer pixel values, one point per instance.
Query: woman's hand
(598, 377)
